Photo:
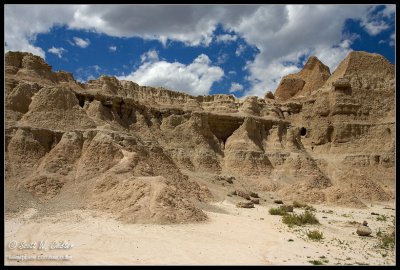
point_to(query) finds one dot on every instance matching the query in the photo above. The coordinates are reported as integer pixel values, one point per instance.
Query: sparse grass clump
(316, 262)
(315, 235)
(381, 218)
(306, 218)
(324, 259)
(387, 240)
(347, 215)
(277, 211)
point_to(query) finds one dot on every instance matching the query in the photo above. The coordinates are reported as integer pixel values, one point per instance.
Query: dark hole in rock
(303, 131)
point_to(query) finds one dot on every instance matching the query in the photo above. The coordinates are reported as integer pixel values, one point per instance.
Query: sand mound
(143, 200)
(344, 197)
(44, 187)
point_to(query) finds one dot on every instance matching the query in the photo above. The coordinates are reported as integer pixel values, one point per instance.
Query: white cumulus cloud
(83, 43)
(392, 39)
(149, 56)
(112, 48)
(195, 78)
(225, 38)
(375, 23)
(56, 51)
(235, 87)
(282, 33)
(240, 49)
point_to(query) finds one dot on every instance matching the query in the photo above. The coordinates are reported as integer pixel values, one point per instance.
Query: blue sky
(241, 50)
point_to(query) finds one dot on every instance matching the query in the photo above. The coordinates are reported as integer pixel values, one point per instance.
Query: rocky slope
(156, 155)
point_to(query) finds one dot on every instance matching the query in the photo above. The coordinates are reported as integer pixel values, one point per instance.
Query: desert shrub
(387, 240)
(315, 235)
(287, 208)
(305, 218)
(381, 218)
(316, 262)
(277, 211)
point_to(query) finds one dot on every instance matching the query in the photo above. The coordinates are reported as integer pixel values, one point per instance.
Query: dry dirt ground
(231, 236)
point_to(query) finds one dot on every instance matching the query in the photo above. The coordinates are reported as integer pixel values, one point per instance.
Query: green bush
(277, 211)
(306, 218)
(315, 235)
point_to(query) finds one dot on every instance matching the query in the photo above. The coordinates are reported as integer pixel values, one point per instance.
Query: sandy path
(243, 236)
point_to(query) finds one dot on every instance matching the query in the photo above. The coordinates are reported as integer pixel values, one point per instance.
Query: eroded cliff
(154, 155)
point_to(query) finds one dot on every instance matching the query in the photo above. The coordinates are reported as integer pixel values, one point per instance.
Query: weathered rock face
(144, 152)
(351, 118)
(289, 87)
(310, 78)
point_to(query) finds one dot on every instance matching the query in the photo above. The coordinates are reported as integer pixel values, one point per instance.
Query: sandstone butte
(152, 155)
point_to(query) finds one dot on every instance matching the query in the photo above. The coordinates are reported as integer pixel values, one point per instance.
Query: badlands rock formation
(155, 155)
(310, 78)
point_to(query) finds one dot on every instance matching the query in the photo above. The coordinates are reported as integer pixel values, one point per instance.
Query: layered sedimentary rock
(140, 151)
(305, 82)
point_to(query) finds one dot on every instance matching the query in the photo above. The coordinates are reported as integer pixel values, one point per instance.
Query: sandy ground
(232, 236)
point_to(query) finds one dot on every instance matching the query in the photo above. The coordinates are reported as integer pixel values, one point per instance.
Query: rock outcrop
(151, 154)
(305, 82)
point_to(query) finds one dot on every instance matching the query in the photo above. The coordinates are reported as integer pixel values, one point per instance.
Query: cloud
(97, 68)
(273, 71)
(112, 48)
(222, 58)
(392, 39)
(195, 78)
(375, 27)
(291, 32)
(84, 74)
(23, 22)
(83, 43)
(240, 49)
(225, 38)
(235, 87)
(149, 56)
(376, 22)
(56, 51)
(282, 33)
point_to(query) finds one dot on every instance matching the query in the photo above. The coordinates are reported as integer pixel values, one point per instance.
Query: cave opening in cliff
(303, 131)
(81, 100)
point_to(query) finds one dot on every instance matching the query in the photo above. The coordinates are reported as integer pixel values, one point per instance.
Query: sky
(242, 50)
